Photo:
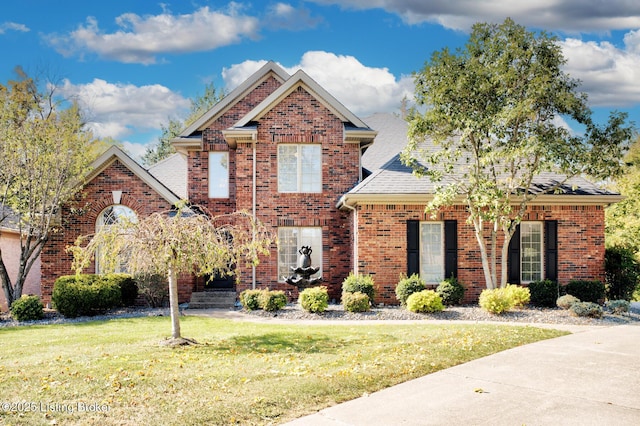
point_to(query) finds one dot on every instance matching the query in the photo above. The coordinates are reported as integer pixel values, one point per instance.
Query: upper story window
(111, 216)
(299, 168)
(219, 174)
(531, 249)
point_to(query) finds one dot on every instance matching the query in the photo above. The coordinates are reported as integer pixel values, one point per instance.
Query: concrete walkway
(591, 377)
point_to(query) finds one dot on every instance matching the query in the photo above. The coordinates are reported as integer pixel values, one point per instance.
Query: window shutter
(413, 247)
(513, 260)
(450, 248)
(551, 249)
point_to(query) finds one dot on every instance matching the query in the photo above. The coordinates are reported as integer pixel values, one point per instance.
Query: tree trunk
(477, 225)
(173, 303)
(6, 282)
(504, 257)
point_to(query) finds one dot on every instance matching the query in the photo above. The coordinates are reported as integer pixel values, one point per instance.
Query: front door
(219, 282)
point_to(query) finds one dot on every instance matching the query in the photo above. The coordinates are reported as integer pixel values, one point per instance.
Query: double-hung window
(219, 174)
(291, 239)
(531, 249)
(431, 252)
(299, 168)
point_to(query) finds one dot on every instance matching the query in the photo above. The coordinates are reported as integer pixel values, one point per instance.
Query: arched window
(110, 216)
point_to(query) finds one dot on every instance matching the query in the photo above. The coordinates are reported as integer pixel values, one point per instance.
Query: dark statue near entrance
(301, 276)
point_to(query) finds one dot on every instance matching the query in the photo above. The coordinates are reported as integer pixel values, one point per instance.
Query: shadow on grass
(278, 342)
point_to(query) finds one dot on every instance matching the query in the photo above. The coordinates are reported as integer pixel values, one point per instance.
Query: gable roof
(394, 183)
(114, 154)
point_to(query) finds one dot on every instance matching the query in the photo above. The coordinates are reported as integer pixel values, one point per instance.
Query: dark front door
(219, 282)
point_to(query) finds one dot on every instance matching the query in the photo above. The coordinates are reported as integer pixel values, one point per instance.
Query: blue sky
(134, 64)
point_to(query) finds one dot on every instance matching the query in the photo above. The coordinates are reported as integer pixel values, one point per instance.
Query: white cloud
(609, 75)
(286, 17)
(363, 90)
(135, 150)
(140, 39)
(12, 26)
(567, 15)
(117, 110)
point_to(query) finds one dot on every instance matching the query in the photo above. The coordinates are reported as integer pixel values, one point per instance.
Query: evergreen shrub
(407, 286)
(27, 308)
(362, 283)
(566, 301)
(451, 291)
(544, 293)
(520, 296)
(586, 291)
(314, 299)
(586, 309)
(425, 301)
(355, 302)
(272, 300)
(85, 294)
(496, 301)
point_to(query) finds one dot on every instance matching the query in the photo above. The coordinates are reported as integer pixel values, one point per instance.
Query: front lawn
(115, 373)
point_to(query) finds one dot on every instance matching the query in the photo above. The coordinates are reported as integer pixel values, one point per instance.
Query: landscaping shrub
(407, 286)
(520, 296)
(622, 273)
(451, 291)
(586, 309)
(314, 299)
(618, 307)
(250, 299)
(425, 301)
(85, 294)
(566, 301)
(27, 308)
(355, 302)
(272, 300)
(154, 288)
(544, 293)
(128, 287)
(496, 301)
(362, 283)
(586, 291)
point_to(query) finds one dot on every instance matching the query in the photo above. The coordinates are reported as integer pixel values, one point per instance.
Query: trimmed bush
(128, 287)
(425, 301)
(250, 299)
(451, 291)
(355, 302)
(272, 300)
(566, 301)
(496, 301)
(85, 294)
(154, 288)
(407, 286)
(586, 309)
(618, 307)
(544, 293)
(27, 308)
(622, 273)
(586, 291)
(314, 299)
(520, 296)
(362, 283)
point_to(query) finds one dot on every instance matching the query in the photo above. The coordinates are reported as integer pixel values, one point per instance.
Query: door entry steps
(213, 300)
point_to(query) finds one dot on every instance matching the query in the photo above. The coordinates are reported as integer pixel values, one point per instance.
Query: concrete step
(213, 300)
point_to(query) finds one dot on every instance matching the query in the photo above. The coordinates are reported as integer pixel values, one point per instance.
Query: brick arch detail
(98, 206)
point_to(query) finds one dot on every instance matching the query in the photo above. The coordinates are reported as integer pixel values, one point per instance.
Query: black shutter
(413, 247)
(513, 259)
(450, 248)
(551, 250)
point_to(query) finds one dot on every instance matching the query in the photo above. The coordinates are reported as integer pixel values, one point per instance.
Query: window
(299, 168)
(111, 216)
(219, 174)
(291, 240)
(431, 252)
(531, 246)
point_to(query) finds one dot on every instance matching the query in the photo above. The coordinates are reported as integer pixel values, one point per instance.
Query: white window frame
(531, 252)
(432, 261)
(290, 240)
(219, 174)
(302, 172)
(118, 211)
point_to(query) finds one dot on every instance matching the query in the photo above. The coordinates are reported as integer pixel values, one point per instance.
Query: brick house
(282, 147)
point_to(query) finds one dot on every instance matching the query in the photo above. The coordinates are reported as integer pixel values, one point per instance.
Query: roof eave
(235, 135)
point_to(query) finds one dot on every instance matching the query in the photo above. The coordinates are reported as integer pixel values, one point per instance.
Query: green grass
(241, 373)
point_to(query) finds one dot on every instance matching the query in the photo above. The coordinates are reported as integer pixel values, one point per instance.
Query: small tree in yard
(493, 114)
(175, 242)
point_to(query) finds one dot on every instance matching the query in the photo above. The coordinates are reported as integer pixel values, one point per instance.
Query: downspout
(354, 232)
(253, 208)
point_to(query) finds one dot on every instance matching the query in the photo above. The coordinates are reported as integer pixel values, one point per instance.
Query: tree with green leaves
(623, 218)
(199, 105)
(44, 153)
(171, 243)
(492, 125)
